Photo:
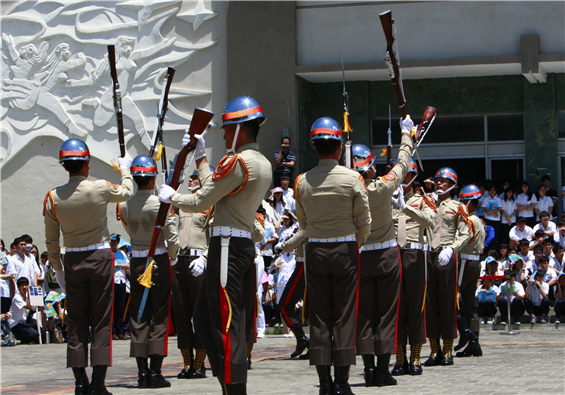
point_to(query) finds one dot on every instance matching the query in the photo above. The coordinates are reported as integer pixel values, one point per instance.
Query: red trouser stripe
(357, 294)
(225, 335)
(398, 301)
(289, 295)
(165, 352)
(112, 316)
(455, 291)
(426, 295)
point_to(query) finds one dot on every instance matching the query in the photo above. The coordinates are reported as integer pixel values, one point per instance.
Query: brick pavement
(532, 362)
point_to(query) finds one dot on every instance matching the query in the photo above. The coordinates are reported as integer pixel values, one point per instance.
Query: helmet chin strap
(410, 183)
(468, 201)
(232, 149)
(440, 192)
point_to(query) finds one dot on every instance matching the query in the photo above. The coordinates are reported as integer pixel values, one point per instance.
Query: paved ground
(532, 362)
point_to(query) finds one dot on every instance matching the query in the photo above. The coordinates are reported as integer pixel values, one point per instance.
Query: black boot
(473, 349)
(401, 366)
(142, 372)
(341, 381)
(384, 377)
(236, 389)
(302, 343)
(325, 377)
(97, 386)
(463, 334)
(156, 379)
(436, 355)
(370, 374)
(197, 370)
(81, 381)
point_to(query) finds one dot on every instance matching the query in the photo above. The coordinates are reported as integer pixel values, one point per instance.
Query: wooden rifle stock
(163, 107)
(117, 99)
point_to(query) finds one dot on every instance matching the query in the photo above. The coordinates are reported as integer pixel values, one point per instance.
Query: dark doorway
(502, 170)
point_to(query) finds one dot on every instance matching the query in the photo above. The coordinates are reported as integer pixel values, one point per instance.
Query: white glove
(60, 276)
(173, 263)
(185, 138)
(125, 163)
(199, 153)
(197, 266)
(165, 193)
(278, 247)
(445, 256)
(406, 123)
(398, 199)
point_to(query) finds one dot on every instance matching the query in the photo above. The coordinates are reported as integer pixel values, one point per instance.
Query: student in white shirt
(559, 236)
(517, 294)
(503, 261)
(517, 264)
(487, 296)
(549, 275)
(536, 300)
(549, 228)
(557, 262)
(7, 274)
(24, 263)
(524, 251)
(285, 185)
(508, 214)
(492, 207)
(519, 232)
(526, 204)
(560, 298)
(21, 306)
(544, 203)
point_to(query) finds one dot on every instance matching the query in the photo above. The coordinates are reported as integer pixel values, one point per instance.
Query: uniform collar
(143, 192)
(253, 146)
(473, 213)
(409, 194)
(332, 162)
(447, 199)
(77, 178)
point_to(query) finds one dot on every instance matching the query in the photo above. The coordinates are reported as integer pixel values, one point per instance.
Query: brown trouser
(440, 299)
(410, 312)
(467, 291)
(293, 292)
(250, 297)
(379, 288)
(225, 344)
(89, 278)
(185, 294)
(332, 275)
(149, 336)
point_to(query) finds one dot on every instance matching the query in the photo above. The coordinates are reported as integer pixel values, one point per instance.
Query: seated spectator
(487, 296)
(549, 228)
(544, 203)
(516, 291)
(549, 275)
(492, 269)
(517, 264)
(536, 298)
(23, 329)
(559, 236)
(503, 262)
(537, 240)
(548, 247)
(557, 262)
(525, 252)
(508, 218)
(285, 185)
(519, 232)
(284, 161)
(533, 265)
(560, 298)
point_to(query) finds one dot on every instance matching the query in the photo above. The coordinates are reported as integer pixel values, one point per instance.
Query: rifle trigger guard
(388, 62)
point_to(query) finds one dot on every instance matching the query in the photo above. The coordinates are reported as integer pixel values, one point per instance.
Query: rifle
(422, 130)
(200, 120)
(158, 134)
(389, 145)
(346, 127)
(117, 99)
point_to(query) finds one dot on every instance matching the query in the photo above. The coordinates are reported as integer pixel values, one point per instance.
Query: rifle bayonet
(117, 99)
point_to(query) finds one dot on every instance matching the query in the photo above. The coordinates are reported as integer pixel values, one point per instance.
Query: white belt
(471, 257)
(195, 252)
(229, 231)
(100, 246)
(333, 239)
(380, 246)
(144, 253)
(417, 246)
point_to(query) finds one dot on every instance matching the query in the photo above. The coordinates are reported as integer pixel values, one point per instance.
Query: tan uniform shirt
(139, 216)
(455, 229)
(250, 170)
(477, 240)
(78, 209)
(331, 201)
(192, 232)
(420, 214)
(380, 194)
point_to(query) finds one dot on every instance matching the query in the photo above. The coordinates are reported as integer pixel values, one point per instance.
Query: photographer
(284, 161)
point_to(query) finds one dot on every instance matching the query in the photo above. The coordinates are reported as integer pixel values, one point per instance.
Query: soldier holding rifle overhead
(411, 221)
(78, 209)
(138, 216)
(332, 204)
(450, 235)
(236, 187)
(380, 271)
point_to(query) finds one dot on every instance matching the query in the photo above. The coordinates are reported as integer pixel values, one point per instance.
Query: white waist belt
(229, 231)
(144, 253)
(471, 257)
(100, 246)
(195, 252)
(380, 246)
(417, 246)
(333, 239)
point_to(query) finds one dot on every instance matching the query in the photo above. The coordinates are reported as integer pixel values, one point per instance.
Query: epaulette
(473, 229)
(462, 210)
(119, 215)
(172, 211)
(225, 167)
(49, 196)
(430, 202)
(296, 181)
(112, 185)
(259, 217)
(206, 212)
(363, 181)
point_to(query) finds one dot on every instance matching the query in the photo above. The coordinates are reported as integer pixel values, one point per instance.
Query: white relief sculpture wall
(56, 85)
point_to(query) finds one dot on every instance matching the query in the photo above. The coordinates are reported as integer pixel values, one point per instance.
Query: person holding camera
(284, 161)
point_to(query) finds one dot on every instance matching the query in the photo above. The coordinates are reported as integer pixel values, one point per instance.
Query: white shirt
(560, 239)
(509, 206)
(551, 227)
(120, 274)
(490, 294)
(531, 267)
(517, 235)
(18, 310)
(517, 287)
(544, 204)
(526, 258)
(554, 263)
(523, 200)
(549, 274)
(269, 234)
(535, 293)
(5, 284)
(25, 267)
(289, 192)
(289, 204)
(492, 203)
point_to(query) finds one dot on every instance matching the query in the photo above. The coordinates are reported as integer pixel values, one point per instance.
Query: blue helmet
(143, 166)
(363, 157)
(412, 167)
(325, 128)
(470, 192)
(74, 149)
(447, 172)
(242, 109)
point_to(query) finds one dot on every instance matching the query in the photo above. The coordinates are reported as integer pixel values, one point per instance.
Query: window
(505, 127)
(561, 125)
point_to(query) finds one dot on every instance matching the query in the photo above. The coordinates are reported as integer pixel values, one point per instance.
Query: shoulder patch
(112, 185)
(296, 181)
(363, 181)
(388, 177)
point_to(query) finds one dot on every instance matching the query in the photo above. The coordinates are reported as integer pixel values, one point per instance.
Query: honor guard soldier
(78, 209)
(332, 203)
(236, 187)
(380, 271)
(468, 276)
(139, 215)
(414, 216)
(451, 234)
(187, 277)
